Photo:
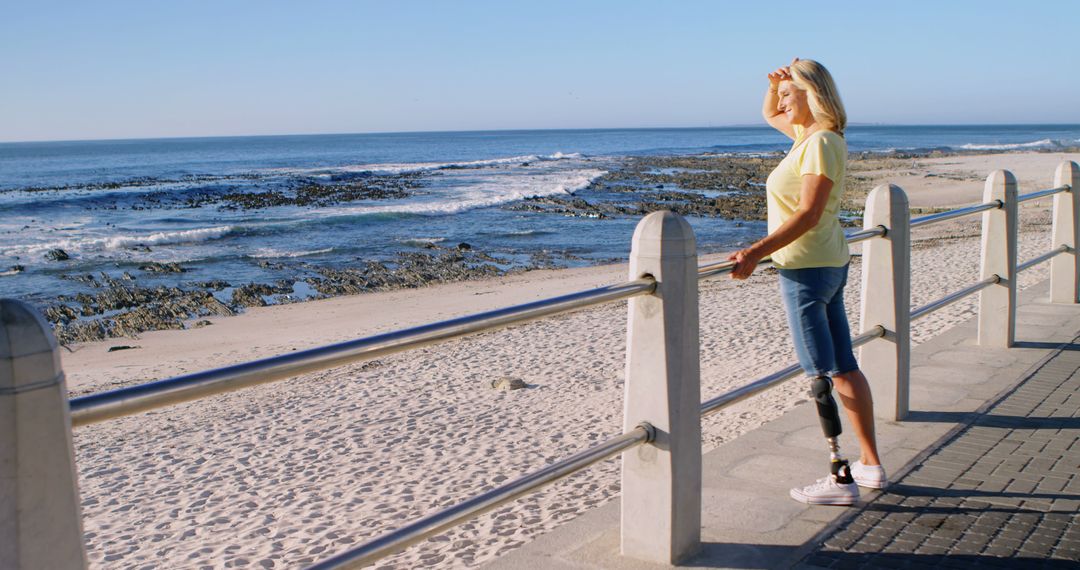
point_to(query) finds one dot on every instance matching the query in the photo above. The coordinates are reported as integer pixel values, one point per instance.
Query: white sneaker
(826, 491)
(869, 476)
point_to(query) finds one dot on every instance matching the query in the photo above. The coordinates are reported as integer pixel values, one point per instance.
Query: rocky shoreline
(725, 187)
(120, 307)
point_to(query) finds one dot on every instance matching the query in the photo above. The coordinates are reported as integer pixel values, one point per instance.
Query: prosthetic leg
(829, 414)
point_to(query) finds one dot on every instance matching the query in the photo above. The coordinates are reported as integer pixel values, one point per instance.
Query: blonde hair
(821, 94)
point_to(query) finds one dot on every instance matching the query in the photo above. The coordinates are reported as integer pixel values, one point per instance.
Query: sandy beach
(286, 474)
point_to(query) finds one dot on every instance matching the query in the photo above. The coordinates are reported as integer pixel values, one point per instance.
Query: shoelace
(823, 483)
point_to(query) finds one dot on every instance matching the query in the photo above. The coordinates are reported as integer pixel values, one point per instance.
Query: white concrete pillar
(886, 301)
(40, 523)
(997, 303)
(1064, 269)
(661, 481)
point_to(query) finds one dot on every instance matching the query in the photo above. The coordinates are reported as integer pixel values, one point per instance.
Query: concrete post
(40, 523)
(997, 303)
(886, 301)
(1064, 269)
(661, 481)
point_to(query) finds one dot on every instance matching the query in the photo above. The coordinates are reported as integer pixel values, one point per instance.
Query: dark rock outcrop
(155, 267)
(57, 255)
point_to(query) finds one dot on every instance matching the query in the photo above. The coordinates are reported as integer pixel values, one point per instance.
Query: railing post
(886, 301)
(997, 303)
(661, 481)
(1064, 269)
(40, 524)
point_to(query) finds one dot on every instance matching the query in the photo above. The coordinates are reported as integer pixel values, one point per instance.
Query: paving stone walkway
(1002, 491)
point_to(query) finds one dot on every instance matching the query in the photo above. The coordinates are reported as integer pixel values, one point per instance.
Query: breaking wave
(119, 242)
(1044, 143)
(404, 168)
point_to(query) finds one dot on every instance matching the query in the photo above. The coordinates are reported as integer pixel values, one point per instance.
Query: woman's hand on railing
(746, 260)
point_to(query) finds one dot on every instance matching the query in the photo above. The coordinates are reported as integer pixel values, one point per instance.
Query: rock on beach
(508, 383)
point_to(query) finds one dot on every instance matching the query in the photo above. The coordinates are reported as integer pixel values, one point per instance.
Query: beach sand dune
(286, 474)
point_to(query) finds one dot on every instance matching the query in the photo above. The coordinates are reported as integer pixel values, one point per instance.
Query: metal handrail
(975, 209)
(133, 399)
(957, 213)
(1042, 193)
(713, 269)
(405, 536)
(863, 235)
(756, 387)
(1044, 257)
(954, 297)
(719, 268)
(992, 280)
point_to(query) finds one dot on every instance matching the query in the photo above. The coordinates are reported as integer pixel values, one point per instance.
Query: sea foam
(1044, 143)
(405, 168)
(487, 194)
(120, 242)
(270, 253)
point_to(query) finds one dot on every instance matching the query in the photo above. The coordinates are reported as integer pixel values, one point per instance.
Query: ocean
(268, 209)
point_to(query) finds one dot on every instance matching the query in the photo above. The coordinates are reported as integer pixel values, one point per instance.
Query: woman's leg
(805, 305)
(855, 395)
(851, 385)
(806, 294)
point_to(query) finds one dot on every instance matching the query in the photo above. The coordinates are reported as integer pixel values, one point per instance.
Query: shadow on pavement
(992, 420)
(1046, 345)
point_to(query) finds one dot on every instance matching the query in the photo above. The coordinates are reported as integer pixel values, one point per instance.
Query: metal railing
(410, 534)
(775, 379)
(993, 279)
(954, 297)
(125, 401)
(102, 406)
(1043, 193)
(957, 213)
(1044, 257)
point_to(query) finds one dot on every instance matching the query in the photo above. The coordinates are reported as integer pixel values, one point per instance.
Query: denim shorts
(814, 302)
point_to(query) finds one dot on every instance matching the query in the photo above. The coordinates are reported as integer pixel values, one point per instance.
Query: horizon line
(512, 130)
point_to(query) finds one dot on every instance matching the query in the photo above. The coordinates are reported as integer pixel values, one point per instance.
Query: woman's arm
(769, 109)
(813, 196)
(774, 116)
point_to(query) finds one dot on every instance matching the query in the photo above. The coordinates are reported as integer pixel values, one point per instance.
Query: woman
(809, 248)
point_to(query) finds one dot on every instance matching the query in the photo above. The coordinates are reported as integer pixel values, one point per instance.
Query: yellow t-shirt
(823, 152)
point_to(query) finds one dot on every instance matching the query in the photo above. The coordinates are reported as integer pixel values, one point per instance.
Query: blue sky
(142, 68)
